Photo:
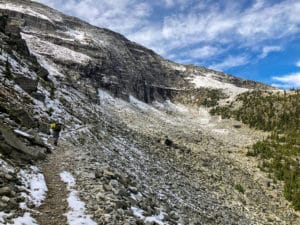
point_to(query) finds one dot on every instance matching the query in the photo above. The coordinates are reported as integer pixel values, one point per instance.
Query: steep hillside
(139, 145)
(90, 57)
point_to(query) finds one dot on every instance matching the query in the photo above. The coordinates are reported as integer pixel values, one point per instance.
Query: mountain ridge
(124, 76)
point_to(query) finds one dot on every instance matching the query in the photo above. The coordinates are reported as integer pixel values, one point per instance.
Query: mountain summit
(139, 145)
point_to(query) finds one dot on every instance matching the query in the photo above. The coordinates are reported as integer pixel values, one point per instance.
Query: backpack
(52, 126)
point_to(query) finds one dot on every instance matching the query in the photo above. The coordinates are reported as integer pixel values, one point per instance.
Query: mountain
(139, 145)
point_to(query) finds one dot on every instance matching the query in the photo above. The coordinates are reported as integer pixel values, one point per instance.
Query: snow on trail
(158, 219)
(75, 215)
(26, 219)
(34, 186)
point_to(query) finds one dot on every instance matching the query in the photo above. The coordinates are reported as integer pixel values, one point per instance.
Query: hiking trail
(52, 211)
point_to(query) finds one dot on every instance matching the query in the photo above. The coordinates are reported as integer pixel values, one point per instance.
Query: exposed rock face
(11, 145)
(91, 57)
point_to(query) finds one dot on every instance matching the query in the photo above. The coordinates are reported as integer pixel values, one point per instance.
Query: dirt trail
(52, 211)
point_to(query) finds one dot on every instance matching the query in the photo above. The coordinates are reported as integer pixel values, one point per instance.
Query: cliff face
(83, 55)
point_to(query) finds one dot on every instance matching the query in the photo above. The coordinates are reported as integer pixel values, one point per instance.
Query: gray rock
(27, 84)
(5, 199)
(14, 144)
(5, 191)
(107, 187)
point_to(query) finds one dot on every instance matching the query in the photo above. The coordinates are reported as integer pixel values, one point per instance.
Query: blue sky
(258, 40)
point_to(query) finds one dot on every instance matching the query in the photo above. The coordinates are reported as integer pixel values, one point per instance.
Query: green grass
(240, 188)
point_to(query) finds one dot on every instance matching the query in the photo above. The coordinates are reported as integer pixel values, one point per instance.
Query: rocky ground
(137, 165)
(134, 163)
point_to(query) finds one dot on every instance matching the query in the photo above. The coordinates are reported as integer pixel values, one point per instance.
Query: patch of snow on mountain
(76, 213)
(33, 183)
(26, 10)
(41, 47)
(16, 67)
(22, 133)
(208, 81)
(139, 104)
(157, 219)
(8, 168)
(170, 107)
(79, 35)
(25, 219)
(175, 66)
(2, 215)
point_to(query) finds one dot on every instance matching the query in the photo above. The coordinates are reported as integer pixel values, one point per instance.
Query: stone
(38, 96)
(134, 190)
(109, 174)
(5, 199)
(12, 143)
(27, 84)
(107, 187)
(8, 177)
(100, 196)
(5, 191)
(123, 180)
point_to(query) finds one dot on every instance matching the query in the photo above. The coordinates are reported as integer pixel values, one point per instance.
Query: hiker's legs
(55, 141)
(56, 136)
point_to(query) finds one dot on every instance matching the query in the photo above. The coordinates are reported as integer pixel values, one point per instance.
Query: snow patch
(42, 47)
(7, 168)
(26, 219)
(139, 104)
(33, 182)
(220, 131)
(26, 10)
(208, 81)
(150, 219)
(22, 133)
(105, 97)
(67, 178)
(175, 66)
(75, 215)
(2, 215)
(17, 67)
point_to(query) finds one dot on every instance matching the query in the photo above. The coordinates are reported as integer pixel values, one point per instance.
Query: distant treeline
(279, 113)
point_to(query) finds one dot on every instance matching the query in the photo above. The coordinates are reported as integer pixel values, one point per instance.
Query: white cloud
(288, 81)
(268, 49)
(230, 62)
(298, 64)
(175, 3)
(203, 52)
(124, 16)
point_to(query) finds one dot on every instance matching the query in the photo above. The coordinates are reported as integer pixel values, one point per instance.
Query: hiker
(56, 128)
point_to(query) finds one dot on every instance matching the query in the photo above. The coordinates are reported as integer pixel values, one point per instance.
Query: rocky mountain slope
(139, 146)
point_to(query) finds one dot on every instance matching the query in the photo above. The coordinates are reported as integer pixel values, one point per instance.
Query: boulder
(21, 116)
(38, 96)
(11, 145)
(5, 191)
(27, 84)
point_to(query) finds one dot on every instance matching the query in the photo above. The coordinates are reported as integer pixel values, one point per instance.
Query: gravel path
(52, 211)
